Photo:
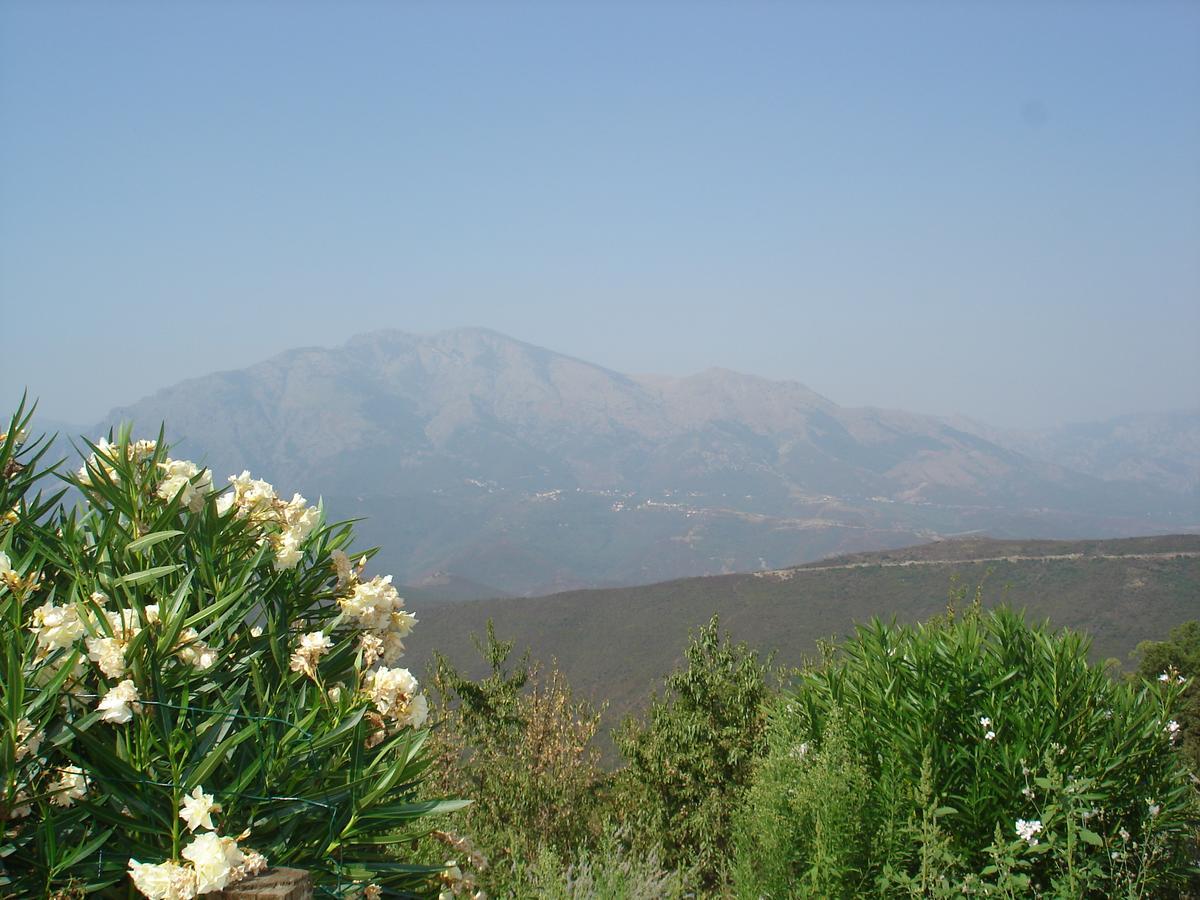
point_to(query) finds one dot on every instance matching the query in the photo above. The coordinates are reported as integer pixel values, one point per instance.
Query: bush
(977, 755)
(189, 674)
(520, 746)
(609, 872)
(1176, 661)
(687, 766)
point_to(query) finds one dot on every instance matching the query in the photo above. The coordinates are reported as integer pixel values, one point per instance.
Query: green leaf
(134, 578)
(150, 540)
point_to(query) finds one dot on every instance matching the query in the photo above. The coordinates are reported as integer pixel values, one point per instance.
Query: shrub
(519, 744)
(188, 674)
(1176, 661)
(973, 755)
(687, 766)
(611, 871)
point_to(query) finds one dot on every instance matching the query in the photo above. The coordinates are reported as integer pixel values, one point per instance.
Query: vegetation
(977, 754)
(1112, 591)
(517, 744)
(1177, 661)
(688, 765)
(195, 684)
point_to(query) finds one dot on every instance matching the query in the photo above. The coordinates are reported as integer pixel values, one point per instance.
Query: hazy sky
(991, 209)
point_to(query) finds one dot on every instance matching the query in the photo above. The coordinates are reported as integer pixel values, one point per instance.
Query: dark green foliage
(689, 763)
(519, 746)
(904, 764)
(1178, 657)
(1145, 589)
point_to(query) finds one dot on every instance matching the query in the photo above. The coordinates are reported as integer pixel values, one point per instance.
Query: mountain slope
(616, 645)
(510, 465)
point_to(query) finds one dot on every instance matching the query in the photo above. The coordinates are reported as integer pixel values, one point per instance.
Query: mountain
(511, 466)
(1118, 591)
(1162, 449)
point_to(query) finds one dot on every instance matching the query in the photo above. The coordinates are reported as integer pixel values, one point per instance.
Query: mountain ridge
(511, 465)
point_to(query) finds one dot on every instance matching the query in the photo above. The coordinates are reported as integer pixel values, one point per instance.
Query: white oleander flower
(197, 810)
(71, 786)
(193, 651)
(990, 736)
(163, 881)
(1028, 831)
(985, 721)
(21, 806)
(1153, 808)
(6, 564)
(1164, 677)
(180, 475)
(253, 863)
(120, 703)
(402, 623)
(312, 647)
(56, 627)
(287, 551)
(373, 603)
(108, 653)
(416, 713)
(98, 462)
(298, 518)
(28, 741)
(214, 858)
(372, 648)
(392, 648)
(1172, 729)
(143, 449)
(252, 498)
(343, 569)
(390, 689)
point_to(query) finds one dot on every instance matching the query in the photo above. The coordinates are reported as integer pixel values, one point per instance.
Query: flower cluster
(183, 478)
(378, 609)
(312, 647)
(1028, 831)
(211, 862)
(102, 461)
(285, 525)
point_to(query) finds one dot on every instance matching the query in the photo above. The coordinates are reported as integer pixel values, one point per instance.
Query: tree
(689, 763)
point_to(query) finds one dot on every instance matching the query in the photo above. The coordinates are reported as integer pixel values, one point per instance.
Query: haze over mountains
(487, 463)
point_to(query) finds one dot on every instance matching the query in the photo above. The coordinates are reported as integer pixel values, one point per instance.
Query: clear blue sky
(991, 209)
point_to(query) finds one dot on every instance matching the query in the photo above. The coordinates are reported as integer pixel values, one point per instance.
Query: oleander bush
(1177, 661)
(971, 755)
(196, 682)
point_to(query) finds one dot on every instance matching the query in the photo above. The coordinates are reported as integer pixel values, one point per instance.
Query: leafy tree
(689, 763)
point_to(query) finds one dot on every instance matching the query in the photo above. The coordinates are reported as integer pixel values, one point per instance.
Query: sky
(951, 208)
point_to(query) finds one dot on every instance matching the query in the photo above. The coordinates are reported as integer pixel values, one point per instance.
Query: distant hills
(616, 645)
(507, 468)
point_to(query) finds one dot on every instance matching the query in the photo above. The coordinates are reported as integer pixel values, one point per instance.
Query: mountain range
(484, 463)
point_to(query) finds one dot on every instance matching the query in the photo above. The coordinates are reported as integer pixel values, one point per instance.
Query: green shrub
(688, 765)
(521, 747)
(979, 755)
(188, 674)
(1177, 661)
(611, 871)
